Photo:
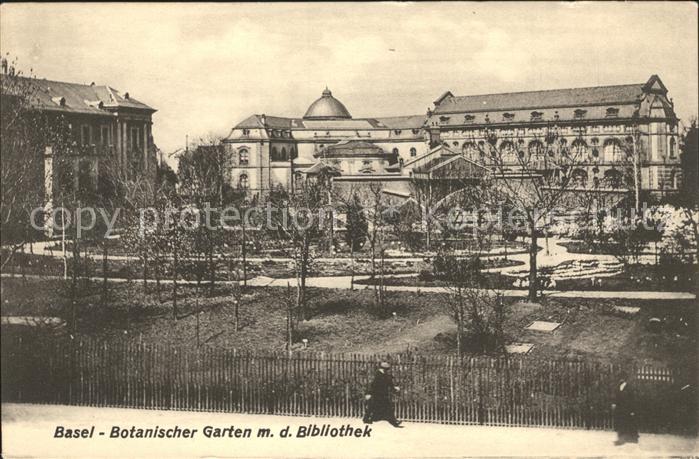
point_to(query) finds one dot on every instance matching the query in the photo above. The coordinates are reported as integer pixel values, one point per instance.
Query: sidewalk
(27, 431)
(344, 283)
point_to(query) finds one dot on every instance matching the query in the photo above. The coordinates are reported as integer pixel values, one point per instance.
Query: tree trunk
(289, 320)
(157, 275)
(74, 284)
(244, 256)
(459, 325)
(212, 272)
(174, 283)
(533, 249)
(351, 265)
(105, 269)
(145, 272)
(303, 273)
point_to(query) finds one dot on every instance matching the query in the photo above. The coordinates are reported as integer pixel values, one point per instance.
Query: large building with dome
(271, 151)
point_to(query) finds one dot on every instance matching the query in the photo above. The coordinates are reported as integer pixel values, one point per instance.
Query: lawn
(347, 321)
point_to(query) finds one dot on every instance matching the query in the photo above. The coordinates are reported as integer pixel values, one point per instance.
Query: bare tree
(26, 136)
(533, 178)
(296, 222)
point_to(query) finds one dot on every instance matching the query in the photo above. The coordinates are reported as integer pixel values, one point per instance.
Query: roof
(327, 107)
(354, 149)
(80, 98)
(452, 161)
(276, 122)
(438, 151)
(319, 167)
(572, 97)
(402, 122)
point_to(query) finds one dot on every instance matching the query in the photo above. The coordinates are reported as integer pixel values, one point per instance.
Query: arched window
(395, 151)
(535, 147)
(243, 157)
(579, 177)
(613, 178)
(284, 157)
(243, 181)
(469, 150)
(507, 151)
(579, 147)
(612, 150)
(413, 152)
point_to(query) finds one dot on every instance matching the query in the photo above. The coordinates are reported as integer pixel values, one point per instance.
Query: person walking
(379, 405)
(625, 413)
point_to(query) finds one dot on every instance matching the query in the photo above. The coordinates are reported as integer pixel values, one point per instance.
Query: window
(469, 118)
(397, 131)
(579, 177)
(579, 114)
(413, 152)
(672, 147)
(105, 137)
(612, 150)
(243, 157)
(507, 148)
(612, 112)
(246, 131)
(135, 138)
(508, 116)
(243, 182)
(613, 178)
(85, 135)
(579, 147)
(535, 147)
(536, 116)
(416, 131)
(395, 151)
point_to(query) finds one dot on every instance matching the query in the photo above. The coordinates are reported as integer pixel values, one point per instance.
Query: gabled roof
(438, 151)
(572, 97)
(352, 149)
(444, 161)
(321, 166)
(79, 98)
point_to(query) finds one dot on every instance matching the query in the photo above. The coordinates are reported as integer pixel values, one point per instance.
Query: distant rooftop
(79, 98)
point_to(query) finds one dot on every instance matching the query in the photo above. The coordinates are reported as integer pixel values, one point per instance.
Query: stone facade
(602, 123)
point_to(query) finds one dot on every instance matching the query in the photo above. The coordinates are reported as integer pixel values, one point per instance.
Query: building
(91, 124)
(601, 123)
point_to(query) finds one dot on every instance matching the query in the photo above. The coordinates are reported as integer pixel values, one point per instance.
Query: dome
(327, 108)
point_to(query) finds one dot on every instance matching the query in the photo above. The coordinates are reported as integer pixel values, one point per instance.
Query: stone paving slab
(519, 348)
(543, 326)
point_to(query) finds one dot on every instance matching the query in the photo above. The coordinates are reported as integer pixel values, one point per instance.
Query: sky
(206, 67)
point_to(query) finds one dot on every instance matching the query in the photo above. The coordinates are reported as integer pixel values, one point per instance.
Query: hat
(385, 365)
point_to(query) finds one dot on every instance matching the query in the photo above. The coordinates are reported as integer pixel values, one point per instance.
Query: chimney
(126, 95)
(92, 84)
(263, 119)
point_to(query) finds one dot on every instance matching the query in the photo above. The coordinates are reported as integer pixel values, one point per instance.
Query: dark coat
(625, 421)
(380, 406)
